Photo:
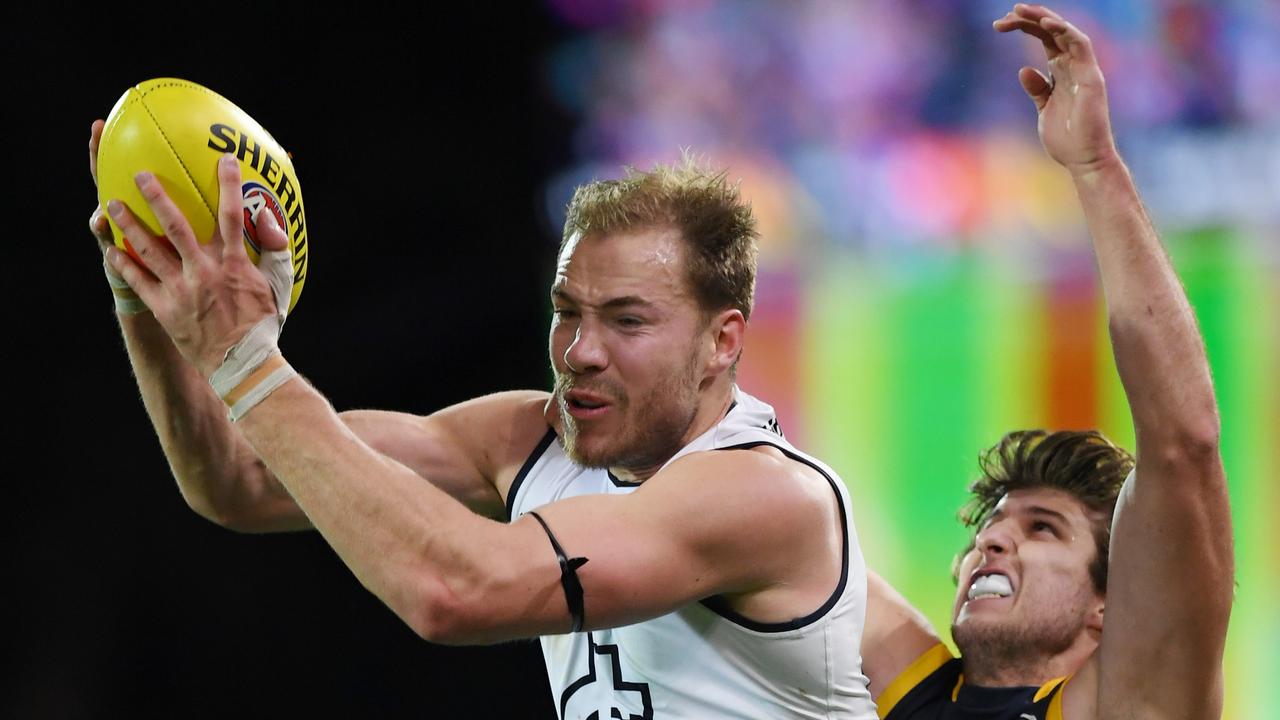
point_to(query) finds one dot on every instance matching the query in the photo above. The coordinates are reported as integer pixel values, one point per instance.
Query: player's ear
(1094, 620)
(725, 332)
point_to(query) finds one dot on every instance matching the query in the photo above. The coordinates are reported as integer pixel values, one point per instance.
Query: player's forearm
(420, 551)
(215, 468)
(1159, 352)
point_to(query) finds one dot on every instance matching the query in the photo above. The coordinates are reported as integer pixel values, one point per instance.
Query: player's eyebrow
(1040, 510)
(627, 301)
(1032, 510)
(618, 303)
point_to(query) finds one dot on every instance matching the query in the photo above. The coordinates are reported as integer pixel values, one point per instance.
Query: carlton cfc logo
(602, 693)
(258, 197)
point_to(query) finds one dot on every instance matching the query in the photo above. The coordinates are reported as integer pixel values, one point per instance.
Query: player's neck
(1030, 669)
(715, 403)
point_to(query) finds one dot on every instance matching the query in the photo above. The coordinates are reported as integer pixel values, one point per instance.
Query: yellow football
(177, 130)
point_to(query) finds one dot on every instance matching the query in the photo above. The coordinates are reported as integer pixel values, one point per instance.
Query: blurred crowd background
(926, 278)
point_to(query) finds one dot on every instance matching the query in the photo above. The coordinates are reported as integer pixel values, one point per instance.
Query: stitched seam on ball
(206, 91)
(174, 151)
(184, 84)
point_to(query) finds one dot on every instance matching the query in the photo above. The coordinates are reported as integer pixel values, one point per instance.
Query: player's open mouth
(994, 585)
(585, 405)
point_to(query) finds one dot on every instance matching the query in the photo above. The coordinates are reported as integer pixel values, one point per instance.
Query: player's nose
(587, 352)
(996, 539)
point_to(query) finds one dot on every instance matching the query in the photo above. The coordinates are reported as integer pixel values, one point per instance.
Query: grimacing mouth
(989, 582)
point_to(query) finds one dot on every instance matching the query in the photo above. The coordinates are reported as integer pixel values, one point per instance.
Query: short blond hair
(717, 226)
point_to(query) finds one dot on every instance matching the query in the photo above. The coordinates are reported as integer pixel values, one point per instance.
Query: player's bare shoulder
(762, 475)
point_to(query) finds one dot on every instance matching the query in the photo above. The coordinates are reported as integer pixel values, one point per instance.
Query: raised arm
(221, 477)
(1170, 592)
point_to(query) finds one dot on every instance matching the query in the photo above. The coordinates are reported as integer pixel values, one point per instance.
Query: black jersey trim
(618, 482)
(532, 460)
(718, 605)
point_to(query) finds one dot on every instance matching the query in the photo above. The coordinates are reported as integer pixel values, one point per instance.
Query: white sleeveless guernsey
(703, 660)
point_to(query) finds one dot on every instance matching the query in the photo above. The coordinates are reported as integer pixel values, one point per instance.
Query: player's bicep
(639, 564)
(423, 444)
(723, 523)
(622, 571)
(464, 449)
(429, 448)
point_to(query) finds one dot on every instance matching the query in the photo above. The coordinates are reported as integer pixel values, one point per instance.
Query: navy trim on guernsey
(543, 444)
(622, 483)
(720, 606)
(943, 695)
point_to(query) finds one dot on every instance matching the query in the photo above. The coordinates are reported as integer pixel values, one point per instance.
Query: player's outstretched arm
(218, 473)
(1170, 589)
(723, 523)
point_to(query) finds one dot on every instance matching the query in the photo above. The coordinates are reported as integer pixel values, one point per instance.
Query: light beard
(649, 438)
(1001, 651)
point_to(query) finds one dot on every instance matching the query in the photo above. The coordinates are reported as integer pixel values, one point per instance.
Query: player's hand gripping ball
(177, 130)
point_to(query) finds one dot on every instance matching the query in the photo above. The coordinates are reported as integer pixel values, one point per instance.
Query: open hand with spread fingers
(1074, 124)
(207, 296)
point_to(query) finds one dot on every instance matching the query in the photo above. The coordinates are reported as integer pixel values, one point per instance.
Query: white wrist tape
(258, 384)
(253, 367)
(127, 301)
(277, 267)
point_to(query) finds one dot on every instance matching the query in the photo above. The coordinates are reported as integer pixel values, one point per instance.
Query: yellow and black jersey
(933, 688)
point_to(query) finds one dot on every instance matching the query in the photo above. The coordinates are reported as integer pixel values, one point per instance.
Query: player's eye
(1041, 526)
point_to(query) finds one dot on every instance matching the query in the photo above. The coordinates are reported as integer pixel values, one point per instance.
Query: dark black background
(421, 139)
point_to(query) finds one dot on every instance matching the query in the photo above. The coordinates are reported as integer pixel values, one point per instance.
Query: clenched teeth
(995, 585)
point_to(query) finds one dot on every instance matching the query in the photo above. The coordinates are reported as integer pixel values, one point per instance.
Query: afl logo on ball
(258, 197)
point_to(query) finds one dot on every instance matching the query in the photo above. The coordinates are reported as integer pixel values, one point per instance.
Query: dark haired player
(1068, 528)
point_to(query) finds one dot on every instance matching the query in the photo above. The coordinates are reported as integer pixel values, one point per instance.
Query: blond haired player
(676, 555)
(1067, 530)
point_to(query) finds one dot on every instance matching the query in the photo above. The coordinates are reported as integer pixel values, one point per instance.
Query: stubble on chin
(646, 440)
(650, 429)
(994, 647)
